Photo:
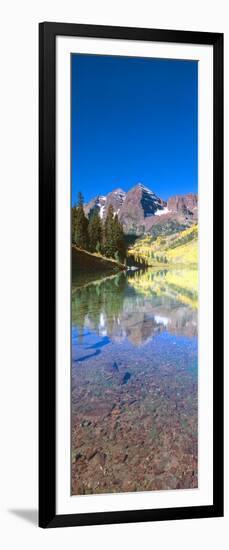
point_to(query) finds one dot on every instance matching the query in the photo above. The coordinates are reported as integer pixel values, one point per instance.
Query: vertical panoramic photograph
(134, 294)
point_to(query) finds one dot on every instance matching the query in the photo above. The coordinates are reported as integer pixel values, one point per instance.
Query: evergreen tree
(79, 225)
(80, 199)
(95, 232)
(114, 242)
(119, 240)
(74, 208)
(109, 244)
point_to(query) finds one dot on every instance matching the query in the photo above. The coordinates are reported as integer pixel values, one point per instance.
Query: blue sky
(133, 120)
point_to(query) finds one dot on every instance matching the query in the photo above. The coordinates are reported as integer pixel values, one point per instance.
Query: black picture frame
(47, 274)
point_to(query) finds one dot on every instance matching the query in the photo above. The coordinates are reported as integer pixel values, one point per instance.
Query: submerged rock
(115, 366)
(126, 377)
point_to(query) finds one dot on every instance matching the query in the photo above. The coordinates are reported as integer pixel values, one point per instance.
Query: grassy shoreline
(92, 265)
(172, 265)
(88, 268)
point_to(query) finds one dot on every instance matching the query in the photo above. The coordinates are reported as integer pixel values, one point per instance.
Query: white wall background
(18, 273)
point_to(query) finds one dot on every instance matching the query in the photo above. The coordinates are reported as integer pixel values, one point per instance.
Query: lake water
(135, 382)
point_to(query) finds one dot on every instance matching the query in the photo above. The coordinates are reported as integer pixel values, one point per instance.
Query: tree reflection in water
(137, 305)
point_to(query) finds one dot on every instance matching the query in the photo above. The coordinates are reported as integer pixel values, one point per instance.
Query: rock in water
(115, 366)
(126, 377)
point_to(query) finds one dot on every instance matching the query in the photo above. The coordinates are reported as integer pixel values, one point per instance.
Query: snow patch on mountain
(101, 211)
(161, 211)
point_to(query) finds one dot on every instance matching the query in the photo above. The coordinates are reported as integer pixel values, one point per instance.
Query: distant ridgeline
(138, 228)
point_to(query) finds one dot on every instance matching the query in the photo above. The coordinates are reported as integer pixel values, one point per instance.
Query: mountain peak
(140, 208)
(143, 188)
(118, 191)
(140, 184)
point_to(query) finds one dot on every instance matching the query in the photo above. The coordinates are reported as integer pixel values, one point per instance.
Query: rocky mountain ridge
(140, 209)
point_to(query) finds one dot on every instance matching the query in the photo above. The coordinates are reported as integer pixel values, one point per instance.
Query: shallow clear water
(134, 382)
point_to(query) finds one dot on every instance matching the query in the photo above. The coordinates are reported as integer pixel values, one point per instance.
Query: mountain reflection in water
(137, 306)
(134, 382)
